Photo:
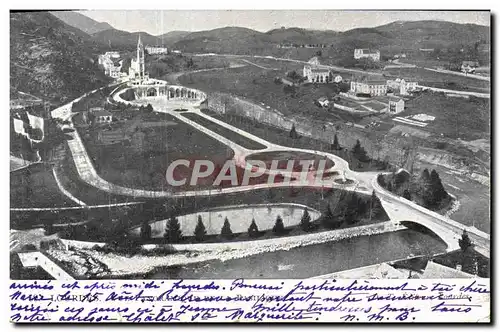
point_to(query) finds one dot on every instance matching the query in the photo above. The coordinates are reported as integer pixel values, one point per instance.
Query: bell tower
(140, 59)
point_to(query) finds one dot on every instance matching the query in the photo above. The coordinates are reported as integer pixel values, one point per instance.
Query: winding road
(398, 208)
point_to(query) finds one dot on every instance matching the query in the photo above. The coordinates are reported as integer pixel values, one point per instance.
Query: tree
(279, 227)
(359, 152)
(200, 232)
(253, 230)
(329, 220)
(351, 211)
(407, 194)
(149, 108)
(226, 231)
(305, 221)
(465, 242)
(293, 132)
(49, 228)
(145, 231)
(336, 145)
(425, 189)
(437, 188)
(375, 205)
(173, 232)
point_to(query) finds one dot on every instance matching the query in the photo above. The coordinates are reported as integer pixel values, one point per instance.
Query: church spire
(139, 42)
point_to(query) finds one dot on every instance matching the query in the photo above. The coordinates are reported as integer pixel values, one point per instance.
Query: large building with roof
(361, 53)
(369, 86)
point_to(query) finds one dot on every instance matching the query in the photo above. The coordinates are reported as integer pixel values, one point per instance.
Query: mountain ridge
(80, 21)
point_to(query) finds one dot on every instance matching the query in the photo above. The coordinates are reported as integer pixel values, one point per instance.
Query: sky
(157, 22)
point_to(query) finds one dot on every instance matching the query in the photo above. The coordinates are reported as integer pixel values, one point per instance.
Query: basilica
(137, 71)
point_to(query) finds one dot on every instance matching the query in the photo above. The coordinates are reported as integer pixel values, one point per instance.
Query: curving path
(398, 208)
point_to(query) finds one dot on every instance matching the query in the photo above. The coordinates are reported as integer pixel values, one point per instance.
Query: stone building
(361, 53)
(372, 87)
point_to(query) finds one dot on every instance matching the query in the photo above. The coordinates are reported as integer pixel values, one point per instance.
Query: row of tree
(349, 210)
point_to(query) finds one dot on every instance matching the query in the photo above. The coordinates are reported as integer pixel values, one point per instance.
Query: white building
(403, 87)
(317, 75)
(112, 54)
(337, 79)
(361, 53)
(469, 66)
(156, 49)
(369, 86)
(109, 61)
(323, 102)
(396, 105)
(103, 117)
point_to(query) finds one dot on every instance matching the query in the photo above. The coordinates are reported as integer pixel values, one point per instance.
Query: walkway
(38, 259)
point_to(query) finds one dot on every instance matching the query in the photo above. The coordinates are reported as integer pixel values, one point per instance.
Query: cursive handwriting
(243, 300)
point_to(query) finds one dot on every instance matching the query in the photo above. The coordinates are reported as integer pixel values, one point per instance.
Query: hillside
(390, 39)
(226, 40)
(302, 36)
(82, 22)
(118, 39)
(172, 37)
(51, 59)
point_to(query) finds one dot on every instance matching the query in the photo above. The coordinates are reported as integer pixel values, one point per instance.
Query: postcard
(250, 166)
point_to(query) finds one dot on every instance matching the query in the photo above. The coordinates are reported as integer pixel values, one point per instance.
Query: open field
(467, 119)
(227, 133)
(258, 85)
(141, 160)
(36, 187)
(439, 80)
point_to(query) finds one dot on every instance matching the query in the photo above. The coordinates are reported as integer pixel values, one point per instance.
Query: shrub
(145, 231)
(279, 227)
(200, 232)
(173, 232)
(226, 231)
(253, 230)
(305, 221)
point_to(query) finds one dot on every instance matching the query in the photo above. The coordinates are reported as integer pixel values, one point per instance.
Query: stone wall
(323, 131)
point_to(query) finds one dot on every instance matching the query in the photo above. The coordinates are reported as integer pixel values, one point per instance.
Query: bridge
(450, 231)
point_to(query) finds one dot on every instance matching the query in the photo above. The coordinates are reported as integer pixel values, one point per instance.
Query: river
(314, 260)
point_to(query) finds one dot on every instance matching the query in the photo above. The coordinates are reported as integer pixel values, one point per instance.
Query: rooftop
(103, 113)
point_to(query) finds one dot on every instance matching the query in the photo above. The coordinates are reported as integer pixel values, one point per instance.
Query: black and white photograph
(240, 145)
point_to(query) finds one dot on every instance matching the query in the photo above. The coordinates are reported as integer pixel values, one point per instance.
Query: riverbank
(119, 265)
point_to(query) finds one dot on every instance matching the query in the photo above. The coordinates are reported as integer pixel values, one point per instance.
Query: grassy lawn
(284, 156)
(35, 186)
(439, 80)
(467, 119)
(155, 141)
(227, 133)
(279, 136)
